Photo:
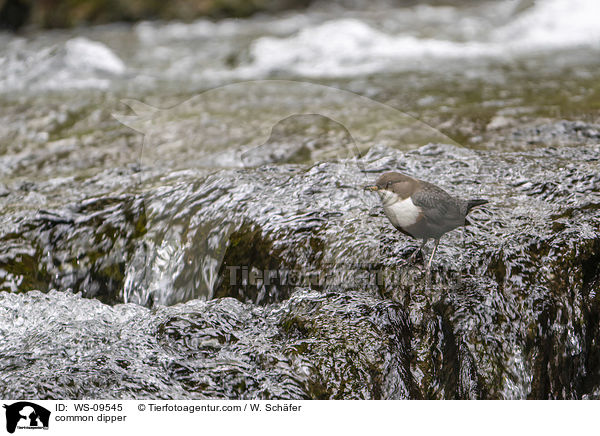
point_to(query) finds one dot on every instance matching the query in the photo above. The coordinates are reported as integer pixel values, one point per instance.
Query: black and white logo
(26, 415)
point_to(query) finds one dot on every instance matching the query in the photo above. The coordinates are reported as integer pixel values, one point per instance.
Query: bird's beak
(371, 188)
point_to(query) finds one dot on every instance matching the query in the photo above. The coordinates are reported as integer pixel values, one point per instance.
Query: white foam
(349, 46)
(83, 54)
(76, 64)
(305, 44)
(554, 24)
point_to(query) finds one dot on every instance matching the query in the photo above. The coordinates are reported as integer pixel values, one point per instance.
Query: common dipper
(420, 209)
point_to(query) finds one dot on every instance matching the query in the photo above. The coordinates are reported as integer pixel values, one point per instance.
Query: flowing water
(182, 212)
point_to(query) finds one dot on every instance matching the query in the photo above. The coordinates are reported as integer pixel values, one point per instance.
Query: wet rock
(258, 266)
(58, 345)
(355, 347)
(311, 346)
(509, 311)
(560, 133)
(85, 248)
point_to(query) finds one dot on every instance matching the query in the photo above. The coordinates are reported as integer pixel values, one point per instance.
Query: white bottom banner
(282, 417)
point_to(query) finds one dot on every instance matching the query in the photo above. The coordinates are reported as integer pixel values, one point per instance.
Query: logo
(26, 415)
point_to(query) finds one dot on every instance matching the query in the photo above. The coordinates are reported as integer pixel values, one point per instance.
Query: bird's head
(391, 186)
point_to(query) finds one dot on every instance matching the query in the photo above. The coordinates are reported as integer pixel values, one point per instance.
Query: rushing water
(182, 213)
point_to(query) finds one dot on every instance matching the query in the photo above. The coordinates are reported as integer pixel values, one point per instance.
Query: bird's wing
(439, 208)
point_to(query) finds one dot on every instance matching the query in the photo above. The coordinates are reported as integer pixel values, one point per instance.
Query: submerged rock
(311, 346)
(322, 306)
(231, 251)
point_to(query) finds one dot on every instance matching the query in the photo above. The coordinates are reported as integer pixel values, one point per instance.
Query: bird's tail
(476, 202)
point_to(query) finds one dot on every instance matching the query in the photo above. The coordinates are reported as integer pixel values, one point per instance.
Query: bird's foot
(412, 259)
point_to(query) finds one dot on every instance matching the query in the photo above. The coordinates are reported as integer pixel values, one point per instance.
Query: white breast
(402, 213)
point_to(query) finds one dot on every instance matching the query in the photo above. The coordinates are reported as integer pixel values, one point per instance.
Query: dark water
(223, 247)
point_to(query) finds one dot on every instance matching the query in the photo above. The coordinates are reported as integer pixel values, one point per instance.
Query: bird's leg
(414, 254)
(437, 241)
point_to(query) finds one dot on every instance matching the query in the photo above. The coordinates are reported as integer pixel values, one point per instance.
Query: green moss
(25, 269)
(249, 249)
